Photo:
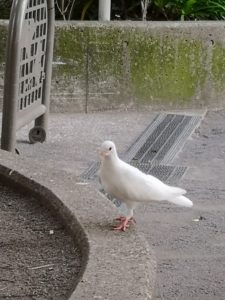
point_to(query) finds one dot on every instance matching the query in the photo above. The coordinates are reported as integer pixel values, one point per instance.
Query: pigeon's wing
(140, 187)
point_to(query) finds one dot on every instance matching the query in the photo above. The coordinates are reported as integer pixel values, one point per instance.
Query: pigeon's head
(107, 149)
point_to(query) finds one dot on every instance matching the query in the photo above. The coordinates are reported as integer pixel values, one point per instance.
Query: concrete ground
(51, 170)
(191, 253)
(189, 243)
(73, 139)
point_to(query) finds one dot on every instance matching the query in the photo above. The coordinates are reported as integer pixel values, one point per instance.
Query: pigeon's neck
(113, 159)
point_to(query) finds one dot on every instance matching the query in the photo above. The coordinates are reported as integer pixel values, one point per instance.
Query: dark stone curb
(115, 265)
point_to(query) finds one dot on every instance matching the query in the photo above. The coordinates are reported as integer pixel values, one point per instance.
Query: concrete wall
(120, 65)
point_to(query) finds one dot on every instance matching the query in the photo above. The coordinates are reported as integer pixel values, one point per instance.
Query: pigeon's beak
(102, 153)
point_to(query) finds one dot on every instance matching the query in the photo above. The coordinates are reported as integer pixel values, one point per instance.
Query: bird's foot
(124, 223)
(122, 218)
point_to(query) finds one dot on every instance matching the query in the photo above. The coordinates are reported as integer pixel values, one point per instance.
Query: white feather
(130, 185)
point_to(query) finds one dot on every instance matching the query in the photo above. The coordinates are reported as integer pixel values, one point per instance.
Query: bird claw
(132, 220)
(124, 223)
(121, 227)
(122, 219)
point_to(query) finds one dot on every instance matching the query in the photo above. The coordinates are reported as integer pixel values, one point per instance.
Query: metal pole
(42, 121)
(104, 10)
(8, 139)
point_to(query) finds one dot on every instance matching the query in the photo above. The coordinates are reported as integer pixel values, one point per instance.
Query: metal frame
(28, 70)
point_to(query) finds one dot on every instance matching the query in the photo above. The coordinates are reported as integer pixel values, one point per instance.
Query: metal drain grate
(166, 139)
(177, 174)
(183, 132)
(168, 174)
(157, 146)
(91, 172)
(165, 173)
(139, 142)
(156, 139)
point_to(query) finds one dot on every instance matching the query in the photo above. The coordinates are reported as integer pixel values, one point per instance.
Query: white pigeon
(131, 186)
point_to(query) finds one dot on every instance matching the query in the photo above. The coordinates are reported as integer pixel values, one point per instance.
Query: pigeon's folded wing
(139, 187)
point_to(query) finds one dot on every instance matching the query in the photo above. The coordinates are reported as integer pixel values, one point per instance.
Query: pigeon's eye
(110, 148)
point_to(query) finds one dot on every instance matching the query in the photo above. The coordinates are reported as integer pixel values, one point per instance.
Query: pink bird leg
(124, 224)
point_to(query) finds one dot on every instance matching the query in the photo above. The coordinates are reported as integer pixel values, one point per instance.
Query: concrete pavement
(115, 265)
(189, 253)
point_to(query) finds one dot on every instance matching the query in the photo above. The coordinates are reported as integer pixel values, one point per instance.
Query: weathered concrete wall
(130, 64)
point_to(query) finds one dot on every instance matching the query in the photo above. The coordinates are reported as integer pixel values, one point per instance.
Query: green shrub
(133, 9)
(188, 9)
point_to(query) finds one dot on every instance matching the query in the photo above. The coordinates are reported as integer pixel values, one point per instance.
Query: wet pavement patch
(39, 258)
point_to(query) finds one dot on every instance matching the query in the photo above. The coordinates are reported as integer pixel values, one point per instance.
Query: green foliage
(132, 9)
(5, 6)
(159, 9)
(188, 9)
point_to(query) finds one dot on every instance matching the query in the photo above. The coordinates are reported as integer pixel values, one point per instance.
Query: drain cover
(167, 138)
(165, 173)
(91, 172)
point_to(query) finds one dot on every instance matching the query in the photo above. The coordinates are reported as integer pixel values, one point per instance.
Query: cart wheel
(37, 134)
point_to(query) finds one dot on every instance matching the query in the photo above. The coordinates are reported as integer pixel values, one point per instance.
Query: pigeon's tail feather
(182, 200)
(176, 191)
